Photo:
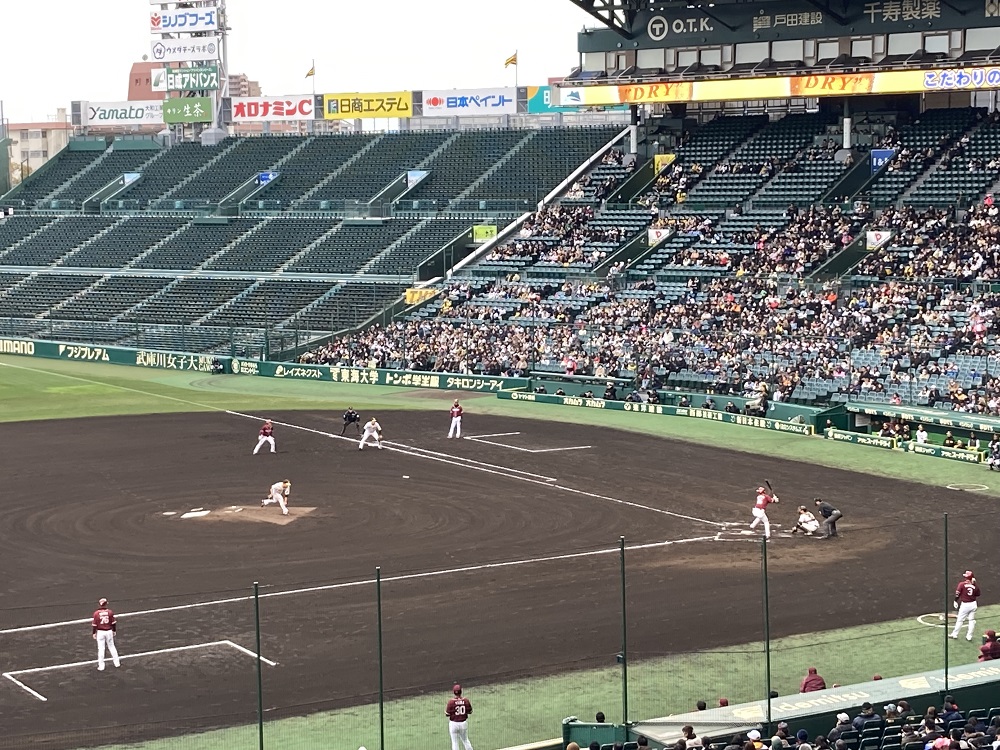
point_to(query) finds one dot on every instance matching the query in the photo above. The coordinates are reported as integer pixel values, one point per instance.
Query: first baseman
(279, 494)
(104, 628)
(456, 420)
(265, 436)
(760, 510)
(457, 711)
(373, 430)
(966, 594)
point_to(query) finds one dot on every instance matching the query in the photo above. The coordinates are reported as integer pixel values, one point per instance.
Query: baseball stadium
(679, 372)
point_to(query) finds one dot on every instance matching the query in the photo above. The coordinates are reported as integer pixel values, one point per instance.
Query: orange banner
(785, 87)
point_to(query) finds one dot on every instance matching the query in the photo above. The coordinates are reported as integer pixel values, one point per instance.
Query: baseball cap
(843, 717)
(456, 688)
(967, 574)
(889, 707)
(991, 633)
(103, 601)
(753, 734)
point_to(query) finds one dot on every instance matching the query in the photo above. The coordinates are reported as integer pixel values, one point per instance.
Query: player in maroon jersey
(966, 594)
(764, 498)
(458, 711)
(456, 420)
(266, 435)
(104, 628)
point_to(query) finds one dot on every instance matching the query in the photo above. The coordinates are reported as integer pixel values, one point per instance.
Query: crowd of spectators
(935, 244)
(944, 728)
(741, 335)
(597, 187)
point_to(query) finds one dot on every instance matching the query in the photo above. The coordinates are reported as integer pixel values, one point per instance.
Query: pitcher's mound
(251, 513)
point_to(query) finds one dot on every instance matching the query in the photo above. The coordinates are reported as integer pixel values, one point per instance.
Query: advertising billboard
(185, 50)
(377, 105)
(470, 102)
(95, 114)
(786, 87)
(273, 108)
(183, 20)
(188, 109)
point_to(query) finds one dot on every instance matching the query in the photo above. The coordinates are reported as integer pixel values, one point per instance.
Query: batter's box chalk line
(14, 674)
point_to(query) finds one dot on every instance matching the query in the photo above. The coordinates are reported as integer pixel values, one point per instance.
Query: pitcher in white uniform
(279, 494)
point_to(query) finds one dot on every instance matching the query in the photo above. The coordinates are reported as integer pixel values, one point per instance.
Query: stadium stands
(318, 159)
(390, 157)
(270, 244)
(55, 174)
(347, 249)
(238, 164)
(111, 166)
(175, 165)
(726, 301)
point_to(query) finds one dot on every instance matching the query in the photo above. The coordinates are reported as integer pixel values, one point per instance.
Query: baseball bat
(769, 487)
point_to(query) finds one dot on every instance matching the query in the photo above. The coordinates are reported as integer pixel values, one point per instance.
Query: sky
(358, 45)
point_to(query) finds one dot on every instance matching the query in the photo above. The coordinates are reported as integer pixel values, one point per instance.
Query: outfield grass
(515, 711)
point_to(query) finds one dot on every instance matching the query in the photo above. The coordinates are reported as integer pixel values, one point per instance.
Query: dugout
(974, 686)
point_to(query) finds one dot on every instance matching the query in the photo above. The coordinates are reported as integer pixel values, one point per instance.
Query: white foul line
(434, 456)
(492, 434)
(331, 435)
(365, 582)
(25, 687)
(11, 675)
(527, 450)
(412, 450)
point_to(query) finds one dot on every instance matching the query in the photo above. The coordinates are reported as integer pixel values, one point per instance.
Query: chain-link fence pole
(381, 683)
(260, 678)
(621, 553)
(767, 628)
(947, 597)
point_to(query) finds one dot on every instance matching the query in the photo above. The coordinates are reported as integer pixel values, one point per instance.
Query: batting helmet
(967, 574)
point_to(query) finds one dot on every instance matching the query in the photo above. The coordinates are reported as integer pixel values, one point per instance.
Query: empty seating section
(195, 244)
(385, 161)
(463, 161)
(347, 306)
(56, 240)
(542, 163)
(111, 296)
(124, 242)
(172, 168)
(270, 303)
(756, 161)
(431, 236)
(305, 169)
(187, 300)
(270, 244)
(236, 166)
(185, 339)
(917, 146)
(801, 182)
(111, 167)
(54, 174)
(969, 168)
(352, 245)
(41, 292)
(8, 279)
(16, 228)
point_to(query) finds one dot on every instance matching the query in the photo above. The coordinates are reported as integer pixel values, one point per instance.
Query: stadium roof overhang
(621, 15)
